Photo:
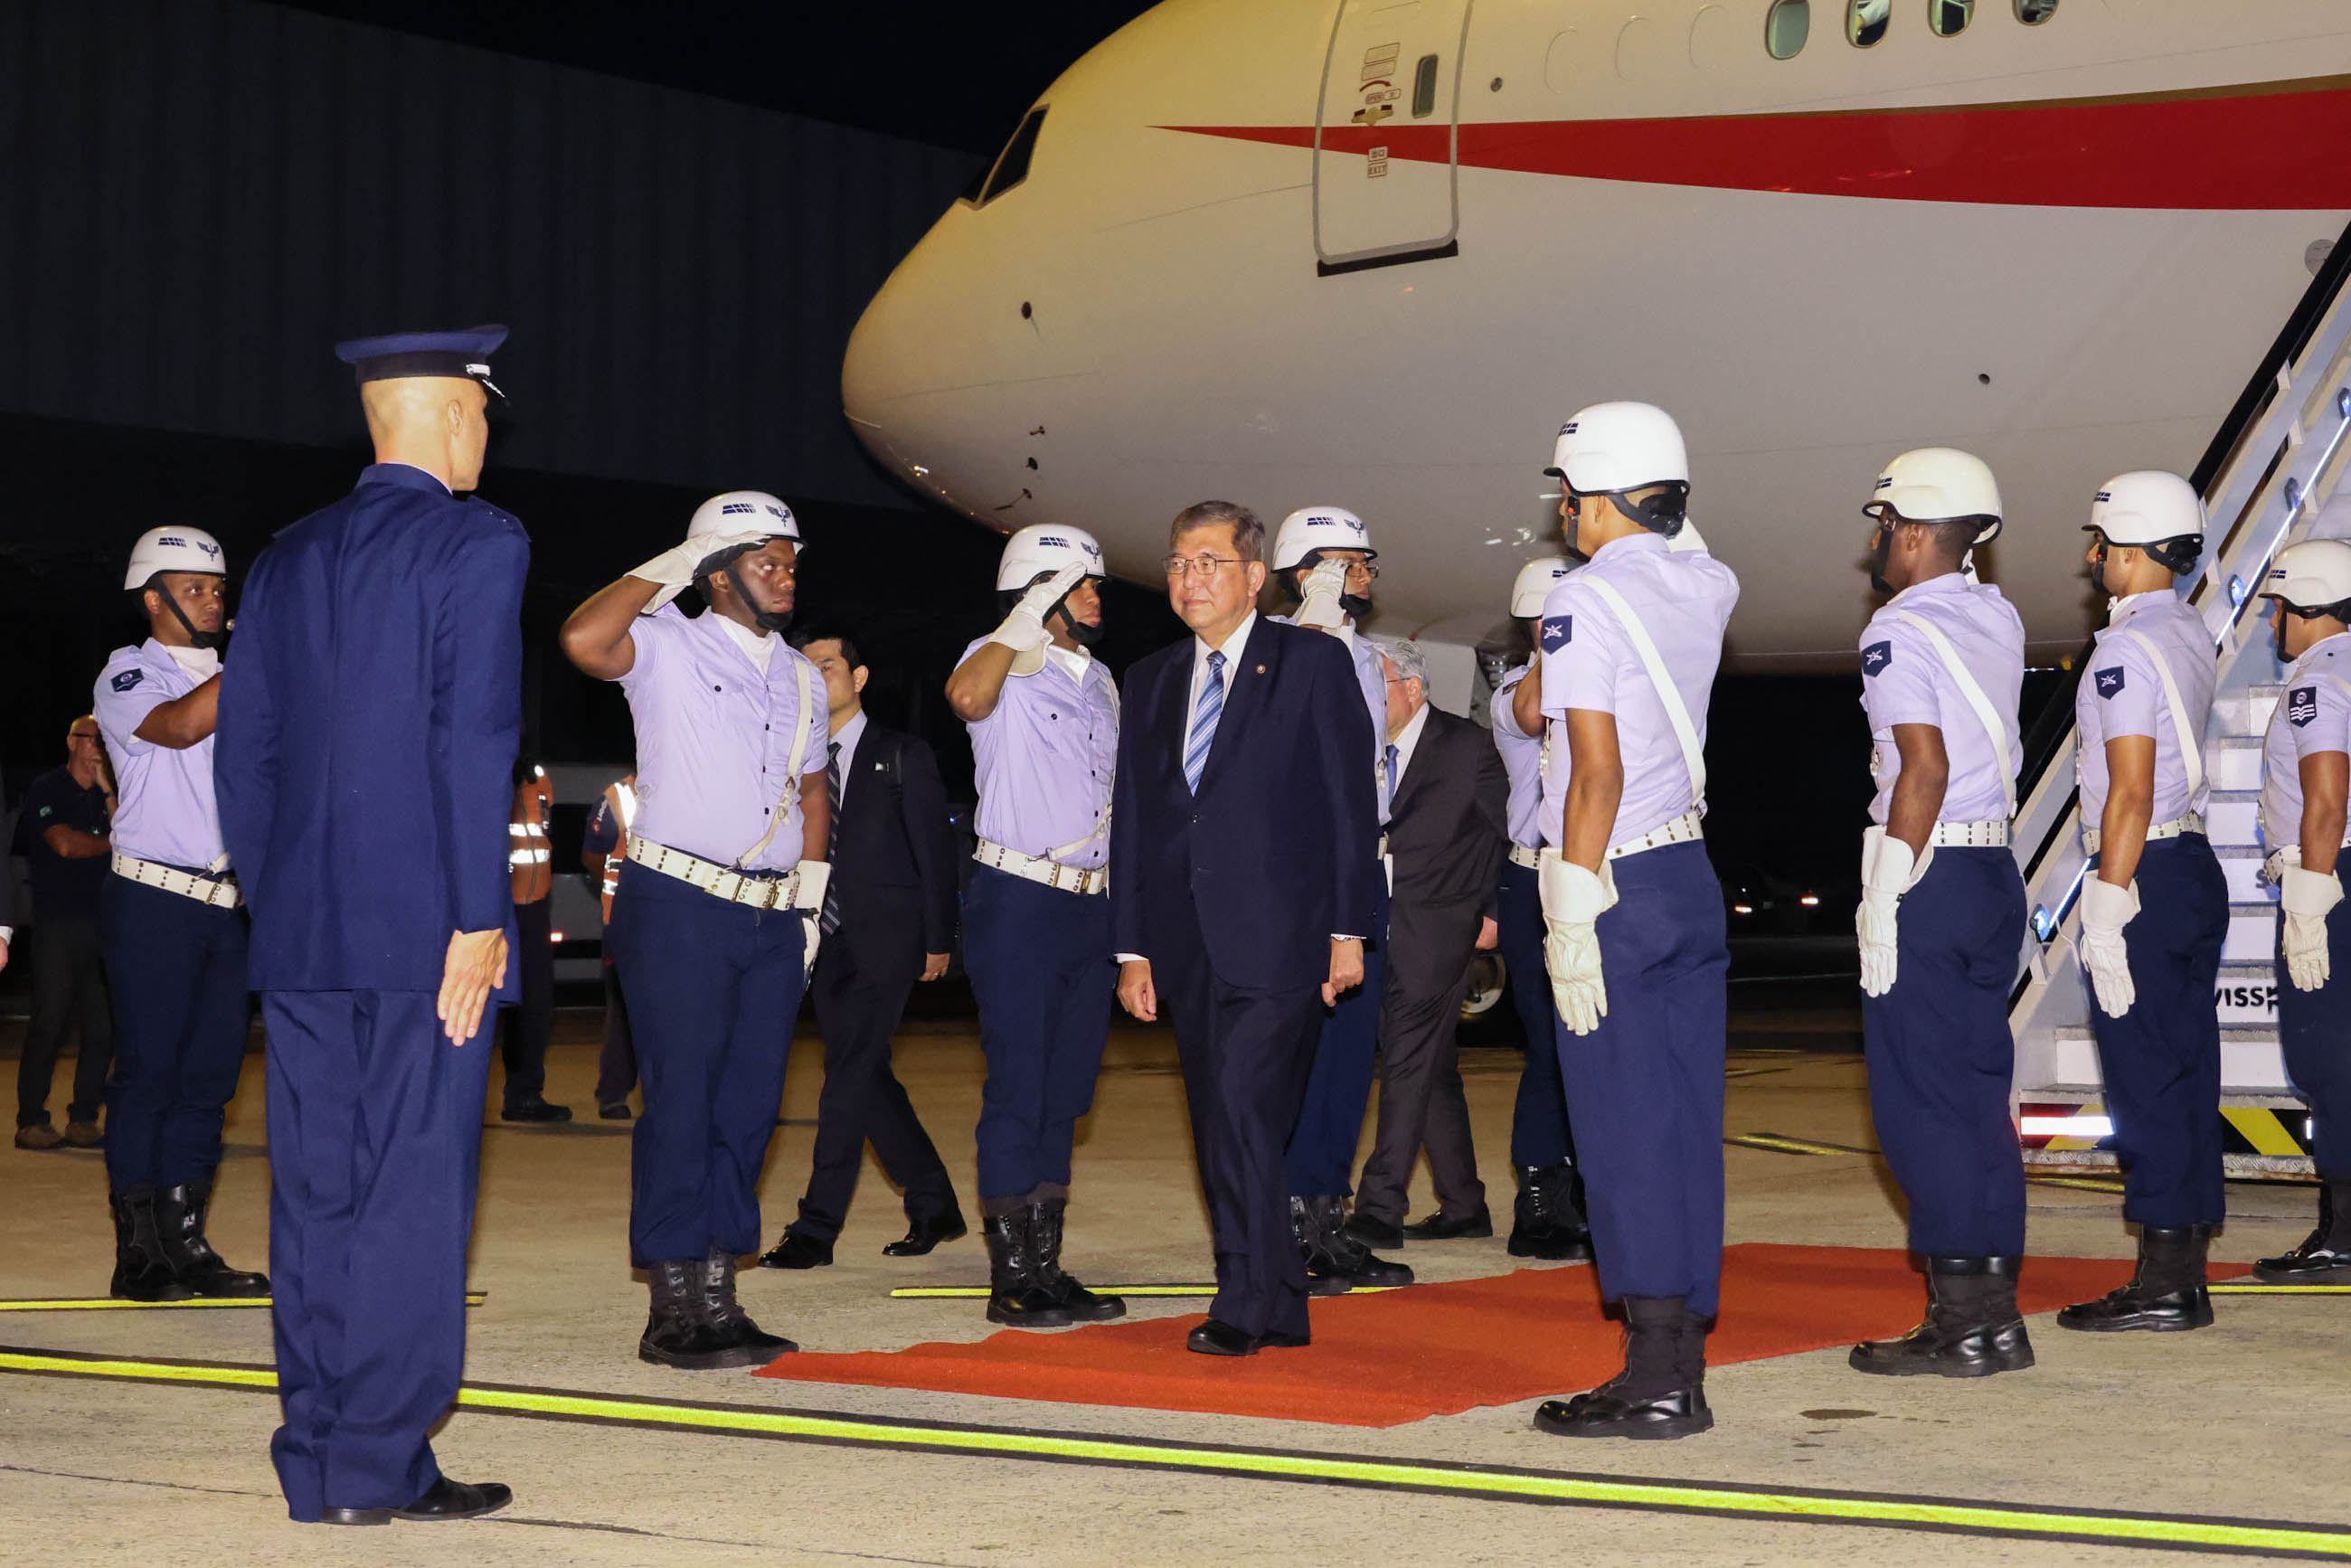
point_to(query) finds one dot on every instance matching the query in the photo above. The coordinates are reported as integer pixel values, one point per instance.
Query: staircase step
(2233, 816)
(2252, 1061)
(2247, 710)
(2253, 933)
(2234, 762)
(2246, 995)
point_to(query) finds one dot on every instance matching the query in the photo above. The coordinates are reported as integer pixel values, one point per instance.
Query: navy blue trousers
(2161, 1060)
(1644, 1089)
(2314, 1028)
(714, 988)
(1941, 1061)
(375, 1143)
(1042, 973)
(1321, 1152)
(1539, 1135)
(181, 1010)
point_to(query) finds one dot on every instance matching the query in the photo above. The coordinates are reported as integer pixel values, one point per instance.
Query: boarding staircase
(2280, 456)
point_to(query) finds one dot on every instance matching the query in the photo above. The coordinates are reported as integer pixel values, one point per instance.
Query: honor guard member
(2155, 910)
(1634, 939)
(714, 921)
(1942, 909)
(2305, 774)
(528, 1028)
(368, 717)
(1550, 1221)
(604, 849)
(1323, 556)
(175, 937)
(1043, 717)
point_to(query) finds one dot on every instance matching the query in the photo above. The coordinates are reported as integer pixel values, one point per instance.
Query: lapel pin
(1260, 669)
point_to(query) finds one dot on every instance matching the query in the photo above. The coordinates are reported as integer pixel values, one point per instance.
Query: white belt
(1521, 855)
(760, 890)
(2273, 868)
(1682, 829)
(1969, 835)
(1037, 868)
(2191, 824)
(217, 891)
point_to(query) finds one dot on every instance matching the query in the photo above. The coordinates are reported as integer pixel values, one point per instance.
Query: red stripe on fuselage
(2257, 151)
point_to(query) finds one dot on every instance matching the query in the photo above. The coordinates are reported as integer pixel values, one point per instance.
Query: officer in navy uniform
(2155, 912)
(369, 717)
(2306, 778)
(714, 921)
(174, 935)
(1633, 916)
(1942, 909)
(1549, 1222)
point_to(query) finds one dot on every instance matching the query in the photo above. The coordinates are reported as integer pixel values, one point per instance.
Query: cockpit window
(1949, 18)
(2033, 13)
(1866, 21)
(1013, 167)
(1787, 28)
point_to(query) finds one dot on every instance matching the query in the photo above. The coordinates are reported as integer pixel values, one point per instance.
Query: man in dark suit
(1244, 848)
(889, 920)
(1446, 833)
(369, 715)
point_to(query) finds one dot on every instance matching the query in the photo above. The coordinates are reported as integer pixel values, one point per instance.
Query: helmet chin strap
(766, 619)
(215, 641)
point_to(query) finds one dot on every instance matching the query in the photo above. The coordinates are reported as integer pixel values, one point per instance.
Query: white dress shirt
(1407, 740)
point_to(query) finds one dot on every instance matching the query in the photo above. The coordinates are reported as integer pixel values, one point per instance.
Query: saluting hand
(476, 967)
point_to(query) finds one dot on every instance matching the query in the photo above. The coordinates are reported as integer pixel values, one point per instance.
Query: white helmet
(1312, 529)
(174, 549)
(745, 512)
(2158, 512)
(2313, 575)
(1046, 547)
(1939, 485)
(1613, 447)
(1534, 584)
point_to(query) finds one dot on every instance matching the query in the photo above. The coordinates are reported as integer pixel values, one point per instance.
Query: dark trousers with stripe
(1322, 1154)
(1942, 1062)
(181, 1013)
(2315, 1027)
(2161, 1060)
(68, 993)
(714, 989)
(1043, 971)
(1644, 1089)
(1539, 1135)
(375, 1142)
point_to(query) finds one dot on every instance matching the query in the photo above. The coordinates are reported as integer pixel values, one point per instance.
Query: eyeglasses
(1180, 567)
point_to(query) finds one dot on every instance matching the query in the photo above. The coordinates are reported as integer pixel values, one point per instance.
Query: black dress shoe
(799, 1250)
(1971, 1329)
(1347, 1256)
(1373, 1231)
(2324, 1255)
(1437, 1226)
(1274, 1339)
(1604, 1413)
(355, 1516)
(535, 1109)
(618, 1111)
(457, 1500)
(926, 1232)
(1218, 1337)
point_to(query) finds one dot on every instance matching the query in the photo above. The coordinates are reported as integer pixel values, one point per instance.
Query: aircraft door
(1385, 133)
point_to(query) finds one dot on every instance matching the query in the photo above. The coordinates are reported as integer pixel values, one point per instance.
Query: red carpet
(1436, 1350)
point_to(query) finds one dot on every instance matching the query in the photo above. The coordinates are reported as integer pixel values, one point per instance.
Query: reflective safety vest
(529, 854)
(620, 801)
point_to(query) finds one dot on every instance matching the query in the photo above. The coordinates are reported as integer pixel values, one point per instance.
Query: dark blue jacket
(1279, 848)
(370, 713)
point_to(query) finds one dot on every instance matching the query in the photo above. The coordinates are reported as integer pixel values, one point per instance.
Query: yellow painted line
(1559, 1488)
(2080, 1184)
(2256, 1288)
(1775, 1144)
(108, 1304)
(2264, 1129)
(981, 1292)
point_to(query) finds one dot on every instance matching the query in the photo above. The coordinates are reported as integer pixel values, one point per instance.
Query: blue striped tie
(1204, 714)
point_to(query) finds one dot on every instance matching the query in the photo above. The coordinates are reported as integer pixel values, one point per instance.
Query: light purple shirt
(2121, 693)
(1044, 760)
(1522, 761)
(714, 739)
(1684, 599)
(1905, 680)
(164, 811)
(2315, 716)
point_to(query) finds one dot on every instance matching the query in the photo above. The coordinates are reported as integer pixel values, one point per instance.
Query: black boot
(678, 1333)
(1549, 1222)
(1971, 1328)
(180, 1222)
(2166, 1293)
(1083, 1306)
(141, 1272)
(725, 1313)
(1660, 1393)
(1325, 1277)
(2324, 1258)
(1346, 1252)
(1015, 1296)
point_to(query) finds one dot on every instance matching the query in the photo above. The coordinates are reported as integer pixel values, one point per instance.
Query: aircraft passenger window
(1424, 86)
(2033, 13)
(1013, 167)
(1787, 28)
(1866, 21)
(1947, 18)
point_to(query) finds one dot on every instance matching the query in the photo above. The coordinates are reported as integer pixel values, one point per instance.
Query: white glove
(1319, 605)
(810, 901)
(1573, 900)
(2106, 910)
(2305, 896)
(674, 568)
(1024, 631)
(1889, 870)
